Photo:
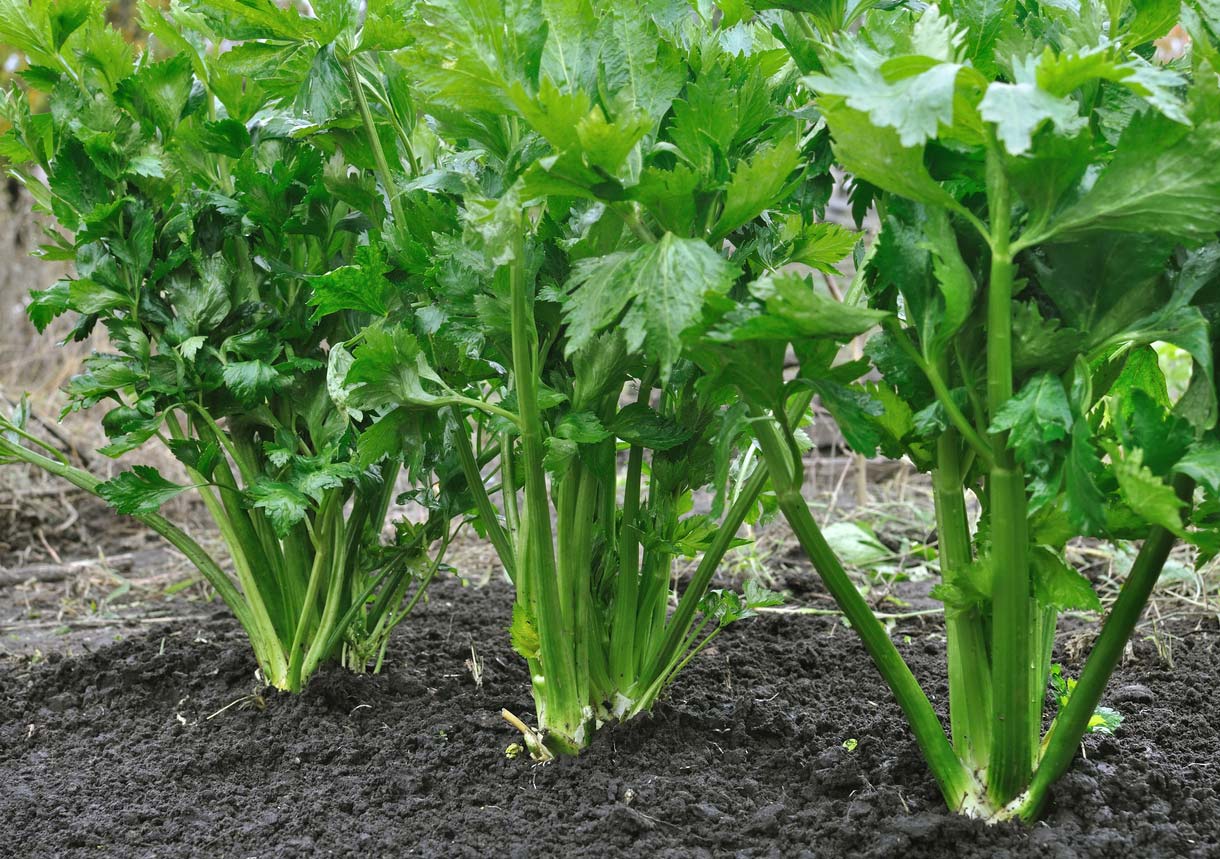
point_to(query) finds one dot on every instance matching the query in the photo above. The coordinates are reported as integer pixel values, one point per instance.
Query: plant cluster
(550, 262)
(209, 237)
(1049, 208)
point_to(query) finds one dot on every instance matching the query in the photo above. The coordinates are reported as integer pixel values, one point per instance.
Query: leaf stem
(631, 217)
(305, 616)
(538, 575)
(481, 405)
(627, 586)
(943, 394)
(951, 775)
(1013, 662)
(370, 128)
(487, 511)
(969, 665)
(1070, 726)
(747, 495)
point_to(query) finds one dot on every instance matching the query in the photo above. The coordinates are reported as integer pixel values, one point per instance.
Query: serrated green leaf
(1152, 19)
(582, 428)
(383, 28)
(92, 298)
(48, 305)
(599, 290)
(1041, 344)
(717, 111)
(877, 156)
(361, 286)
(953, 280)
(823, 246)
(797, 309)
(854, 545)
(636, 63)
(384, 439)
(915, 104)
(1082, 471)
(559, 455)
(1148, 425)
(854, 412)
(258, 19)
(1053, 166)
(899, 370)
(197, 456)
(659, 290)
(758, 596)
(251, 381)
(141, 490)
(157, 93)
(984, 22)
(282, 503)
(756, 184)
(325, 93)
(316, 480)
(389, 369)
(201, 302)
(471, 50)
(1148, 495)
(128, 429)
(723, 606)
(1160, 182)
(1202, 463)
(1058, 586)
(1019, 109)
(639, 425)
(1036, 416)
(1103, 284)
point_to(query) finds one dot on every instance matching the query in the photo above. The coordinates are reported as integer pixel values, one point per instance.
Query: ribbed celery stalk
(1012, 651)
(1071, 724)
(955, 781)
(564, 704)
(622, 640)
(969, 665)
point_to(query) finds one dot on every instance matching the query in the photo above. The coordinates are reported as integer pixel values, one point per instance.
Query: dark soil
(113, 754)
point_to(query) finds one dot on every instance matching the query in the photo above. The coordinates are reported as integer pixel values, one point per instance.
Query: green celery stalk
(1012, 659)
(954, 779)
(969, 665)
(564, 703)
(1073, 721)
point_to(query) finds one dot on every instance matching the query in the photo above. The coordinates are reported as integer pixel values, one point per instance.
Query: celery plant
(221, 228)
(1049, 204)
(602, 157)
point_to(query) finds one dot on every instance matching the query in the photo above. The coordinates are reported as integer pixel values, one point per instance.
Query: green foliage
(228, 258)
(653, 294)
(611, 180)
(141, 490)
(1094, 244)
(1049, 212)
(498, 244)
(1105, 720)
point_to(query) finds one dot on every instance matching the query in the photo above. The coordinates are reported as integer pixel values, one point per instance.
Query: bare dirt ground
(776, 742)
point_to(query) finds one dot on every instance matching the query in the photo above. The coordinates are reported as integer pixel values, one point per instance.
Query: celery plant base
(284, 665)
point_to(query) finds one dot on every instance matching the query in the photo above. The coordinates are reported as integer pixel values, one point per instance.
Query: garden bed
(113, 754)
